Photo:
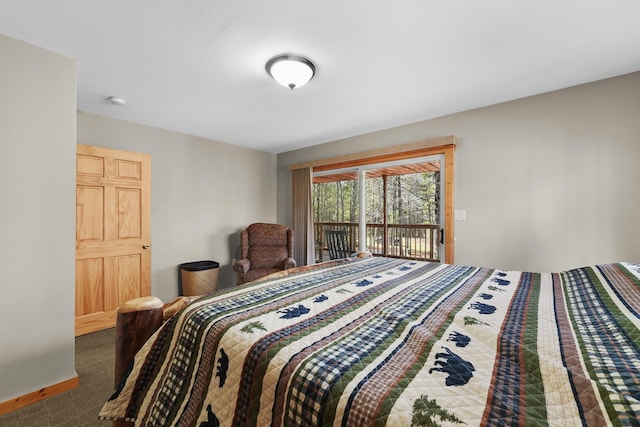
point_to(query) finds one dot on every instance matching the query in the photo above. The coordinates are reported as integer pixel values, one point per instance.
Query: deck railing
(410, 241)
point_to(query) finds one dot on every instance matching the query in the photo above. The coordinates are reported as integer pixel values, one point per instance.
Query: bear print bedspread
(390, 342)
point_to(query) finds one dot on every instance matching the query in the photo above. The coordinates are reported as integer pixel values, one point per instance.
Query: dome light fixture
(292, 71)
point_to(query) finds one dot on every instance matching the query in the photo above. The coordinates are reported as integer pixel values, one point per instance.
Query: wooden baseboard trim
(38, 395)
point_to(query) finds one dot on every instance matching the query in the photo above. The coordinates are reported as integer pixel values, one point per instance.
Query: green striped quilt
(389, 342)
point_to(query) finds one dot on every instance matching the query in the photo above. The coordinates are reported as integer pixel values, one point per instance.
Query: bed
(391, 342)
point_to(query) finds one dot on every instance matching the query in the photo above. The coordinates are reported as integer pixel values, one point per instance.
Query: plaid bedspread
(382, 341)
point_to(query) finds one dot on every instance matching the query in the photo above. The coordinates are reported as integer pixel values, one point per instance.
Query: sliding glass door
(391, 209)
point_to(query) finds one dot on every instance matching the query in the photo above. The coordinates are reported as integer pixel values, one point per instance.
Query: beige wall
(548, 182)
(37, 217)
(203, 193)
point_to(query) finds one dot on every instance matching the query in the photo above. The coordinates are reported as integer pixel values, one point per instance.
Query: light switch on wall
(460, 215)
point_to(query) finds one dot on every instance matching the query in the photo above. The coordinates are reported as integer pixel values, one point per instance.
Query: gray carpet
(95, 355)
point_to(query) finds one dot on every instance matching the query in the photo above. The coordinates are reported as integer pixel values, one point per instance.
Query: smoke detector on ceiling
(117, 101)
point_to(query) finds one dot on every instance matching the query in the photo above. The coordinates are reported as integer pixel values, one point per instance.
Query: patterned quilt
(380, 341)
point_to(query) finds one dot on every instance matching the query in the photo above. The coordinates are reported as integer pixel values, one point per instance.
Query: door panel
(113, 255)
(128, 278)
(89, 296)
(129, 213)
(89, 208)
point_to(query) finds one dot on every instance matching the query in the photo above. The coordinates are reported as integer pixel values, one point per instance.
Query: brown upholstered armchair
(265, 249)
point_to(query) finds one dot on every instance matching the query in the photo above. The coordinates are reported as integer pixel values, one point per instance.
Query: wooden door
(113, 233)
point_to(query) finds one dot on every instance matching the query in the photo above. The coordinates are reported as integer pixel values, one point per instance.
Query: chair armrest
(242, 266)
(289, 263)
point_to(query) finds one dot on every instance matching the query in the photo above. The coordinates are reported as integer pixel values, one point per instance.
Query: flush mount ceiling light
(292, 71)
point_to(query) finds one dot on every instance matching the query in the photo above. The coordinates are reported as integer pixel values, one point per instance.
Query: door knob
(145, 246)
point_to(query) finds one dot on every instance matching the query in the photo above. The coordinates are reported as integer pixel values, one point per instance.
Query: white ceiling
(197, 66)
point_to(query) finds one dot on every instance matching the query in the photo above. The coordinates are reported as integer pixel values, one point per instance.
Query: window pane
(412, 207)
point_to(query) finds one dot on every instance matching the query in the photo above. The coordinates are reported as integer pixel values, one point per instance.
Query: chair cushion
(267, 256)
(267, 235)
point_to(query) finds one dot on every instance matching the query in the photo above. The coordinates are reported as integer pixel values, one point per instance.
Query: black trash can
(199, 278)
